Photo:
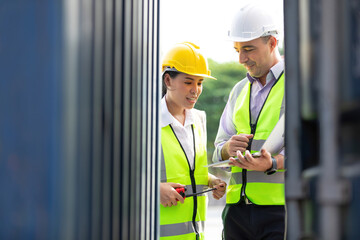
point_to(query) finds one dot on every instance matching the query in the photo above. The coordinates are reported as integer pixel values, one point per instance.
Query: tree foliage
(215, 95)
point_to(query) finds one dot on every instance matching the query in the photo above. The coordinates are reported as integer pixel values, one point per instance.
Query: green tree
(215, 95)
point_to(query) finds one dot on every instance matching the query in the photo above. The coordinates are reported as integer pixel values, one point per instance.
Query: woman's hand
(168, 194)
(220, 186)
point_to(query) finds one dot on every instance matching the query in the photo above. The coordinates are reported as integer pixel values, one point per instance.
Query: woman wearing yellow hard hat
(183, 146)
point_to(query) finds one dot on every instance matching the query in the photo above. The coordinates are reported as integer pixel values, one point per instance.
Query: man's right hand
(235, 143)
(168, 194)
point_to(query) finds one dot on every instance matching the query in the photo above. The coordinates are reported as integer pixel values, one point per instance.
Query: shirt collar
(274, 72)
(167, 118)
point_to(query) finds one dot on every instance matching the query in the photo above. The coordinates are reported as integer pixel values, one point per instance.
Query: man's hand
(261, 163)
(234, 144)
(168, 194)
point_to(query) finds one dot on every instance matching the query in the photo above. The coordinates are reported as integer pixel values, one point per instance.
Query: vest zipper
(253, 130)
(193, 184)
(192, 178)
(244, 171)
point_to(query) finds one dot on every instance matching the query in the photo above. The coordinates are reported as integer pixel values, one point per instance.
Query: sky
(205, 23)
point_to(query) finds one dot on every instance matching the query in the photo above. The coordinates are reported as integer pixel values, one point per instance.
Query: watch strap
(273, 168)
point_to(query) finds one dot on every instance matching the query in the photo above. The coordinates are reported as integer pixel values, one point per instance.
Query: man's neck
(262, 79)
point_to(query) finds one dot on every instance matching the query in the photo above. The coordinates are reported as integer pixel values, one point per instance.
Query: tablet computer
(273, 144)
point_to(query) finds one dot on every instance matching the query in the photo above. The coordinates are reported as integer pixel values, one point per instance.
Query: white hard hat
(251, 22)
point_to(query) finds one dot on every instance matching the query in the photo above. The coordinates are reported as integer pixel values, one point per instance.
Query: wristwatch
(273, 168)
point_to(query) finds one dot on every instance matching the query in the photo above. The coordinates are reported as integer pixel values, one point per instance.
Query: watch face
(271, 171)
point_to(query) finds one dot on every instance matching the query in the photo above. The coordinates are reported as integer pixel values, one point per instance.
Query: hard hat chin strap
(170, 69)
(274, 33)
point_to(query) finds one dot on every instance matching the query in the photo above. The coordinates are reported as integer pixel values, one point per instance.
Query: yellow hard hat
(185, 57)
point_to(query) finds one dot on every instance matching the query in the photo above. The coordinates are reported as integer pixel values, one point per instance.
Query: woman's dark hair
(172, 74)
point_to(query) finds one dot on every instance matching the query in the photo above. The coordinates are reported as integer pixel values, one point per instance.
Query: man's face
(255, 55)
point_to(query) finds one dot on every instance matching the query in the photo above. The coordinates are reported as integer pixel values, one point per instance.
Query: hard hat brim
(204, 76)
(241, 39)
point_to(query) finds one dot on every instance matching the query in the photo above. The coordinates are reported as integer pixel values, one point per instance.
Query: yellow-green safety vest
(183, 221)
(258, 187)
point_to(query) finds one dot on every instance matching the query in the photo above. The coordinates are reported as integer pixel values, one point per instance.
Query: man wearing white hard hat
(255, 196)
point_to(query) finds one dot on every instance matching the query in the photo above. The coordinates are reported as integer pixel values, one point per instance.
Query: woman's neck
(175, 110)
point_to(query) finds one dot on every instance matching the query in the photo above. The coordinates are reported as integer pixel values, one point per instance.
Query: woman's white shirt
(184, 133)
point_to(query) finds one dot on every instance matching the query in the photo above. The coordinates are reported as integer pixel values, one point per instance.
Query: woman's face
(184, 90)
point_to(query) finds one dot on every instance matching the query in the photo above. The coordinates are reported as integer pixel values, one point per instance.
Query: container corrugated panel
(79, 138)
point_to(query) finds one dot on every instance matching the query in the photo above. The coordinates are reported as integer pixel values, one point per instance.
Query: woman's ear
(167, 79)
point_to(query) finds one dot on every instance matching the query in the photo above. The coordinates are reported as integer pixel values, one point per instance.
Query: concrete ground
(213, 224)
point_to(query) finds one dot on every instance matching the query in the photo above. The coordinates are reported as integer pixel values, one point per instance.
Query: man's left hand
(261, 163)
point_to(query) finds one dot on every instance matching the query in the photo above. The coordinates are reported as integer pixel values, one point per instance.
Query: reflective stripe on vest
(175, 168)
(180, 229)
(260, 188)
(255, 176)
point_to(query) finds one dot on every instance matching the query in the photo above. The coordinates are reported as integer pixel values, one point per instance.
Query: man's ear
(273, 42)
